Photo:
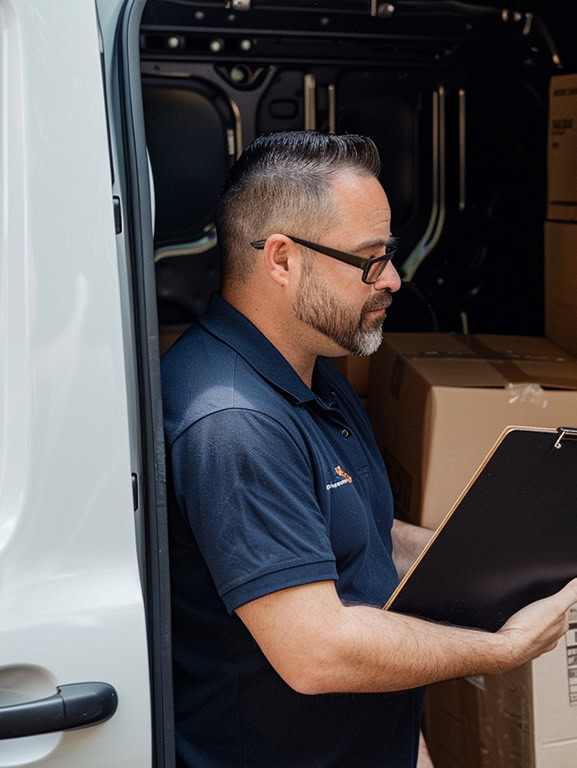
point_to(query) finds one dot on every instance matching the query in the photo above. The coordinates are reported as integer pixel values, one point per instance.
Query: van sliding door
(74, 671)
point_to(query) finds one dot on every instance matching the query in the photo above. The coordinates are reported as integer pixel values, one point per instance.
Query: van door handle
(77, 705)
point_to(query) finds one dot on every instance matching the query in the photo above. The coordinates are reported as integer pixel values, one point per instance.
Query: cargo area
(474, 110)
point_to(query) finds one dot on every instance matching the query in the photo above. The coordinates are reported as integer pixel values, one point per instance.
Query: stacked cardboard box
(562, 149)
(523, 719)
(561, 283)
(561, 230)
(438, 403)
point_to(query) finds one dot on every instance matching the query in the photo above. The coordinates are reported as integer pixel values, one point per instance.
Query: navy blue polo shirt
(271, 485)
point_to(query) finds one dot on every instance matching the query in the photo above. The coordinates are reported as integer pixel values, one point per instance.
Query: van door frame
(138, 221)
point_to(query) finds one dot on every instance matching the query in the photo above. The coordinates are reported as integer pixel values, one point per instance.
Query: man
(283, 543)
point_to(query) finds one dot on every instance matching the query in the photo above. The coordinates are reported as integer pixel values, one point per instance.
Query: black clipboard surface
(509, 540)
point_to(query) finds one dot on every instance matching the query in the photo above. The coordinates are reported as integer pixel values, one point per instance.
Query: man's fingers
(570, 589)
(567, 596)
(562, 600)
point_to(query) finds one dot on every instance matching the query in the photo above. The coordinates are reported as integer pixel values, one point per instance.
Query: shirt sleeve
(246, 486)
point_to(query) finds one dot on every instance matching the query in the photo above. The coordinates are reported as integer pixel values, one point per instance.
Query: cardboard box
(562, 148)
(526, 718)
(561, 284)
(356, 370)
(438, 403)
(168, 334)
(481, 722)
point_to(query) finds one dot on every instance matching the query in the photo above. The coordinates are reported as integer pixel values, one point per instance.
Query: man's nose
(389, 278)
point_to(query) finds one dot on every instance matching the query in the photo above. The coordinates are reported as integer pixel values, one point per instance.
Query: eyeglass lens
(376, 270)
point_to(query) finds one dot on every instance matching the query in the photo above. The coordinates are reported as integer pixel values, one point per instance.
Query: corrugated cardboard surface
(554, 695)
(525, 718)
(562, 148)
(561, 284)
(486, 723)
(438, 403)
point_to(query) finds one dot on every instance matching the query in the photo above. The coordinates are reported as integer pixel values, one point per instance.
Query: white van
(452, 92)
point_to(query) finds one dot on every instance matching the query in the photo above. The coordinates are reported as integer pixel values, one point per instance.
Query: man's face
(358, 331)
(331, 297)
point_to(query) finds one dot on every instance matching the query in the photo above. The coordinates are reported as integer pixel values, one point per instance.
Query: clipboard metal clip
(565, 432)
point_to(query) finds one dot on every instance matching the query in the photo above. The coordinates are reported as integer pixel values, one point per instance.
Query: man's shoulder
(203, 376)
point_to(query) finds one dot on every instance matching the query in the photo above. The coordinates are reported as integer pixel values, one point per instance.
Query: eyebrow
(379, 242)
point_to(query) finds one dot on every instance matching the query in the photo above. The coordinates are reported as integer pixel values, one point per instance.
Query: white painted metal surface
(71, 603)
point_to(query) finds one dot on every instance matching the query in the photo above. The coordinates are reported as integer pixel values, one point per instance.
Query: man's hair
(282, 183)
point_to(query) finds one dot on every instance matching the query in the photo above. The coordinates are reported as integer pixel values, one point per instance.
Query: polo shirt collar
(233, 328)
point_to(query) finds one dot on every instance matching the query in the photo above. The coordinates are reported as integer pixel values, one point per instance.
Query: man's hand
(536, 629)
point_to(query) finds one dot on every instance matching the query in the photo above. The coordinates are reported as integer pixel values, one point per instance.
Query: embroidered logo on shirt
(341, 473)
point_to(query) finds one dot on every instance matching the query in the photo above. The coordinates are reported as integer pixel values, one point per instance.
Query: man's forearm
(377, 650)
(318, 645)
(333, 648)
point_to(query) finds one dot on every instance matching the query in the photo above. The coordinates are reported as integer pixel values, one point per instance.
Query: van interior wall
(473, 200)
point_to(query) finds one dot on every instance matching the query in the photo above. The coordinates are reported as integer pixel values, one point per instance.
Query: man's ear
(280, 256)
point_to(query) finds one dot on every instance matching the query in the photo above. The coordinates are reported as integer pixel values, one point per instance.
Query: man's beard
(316, 306)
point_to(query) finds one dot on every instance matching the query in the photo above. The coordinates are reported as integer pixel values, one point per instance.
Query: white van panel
(70, 595)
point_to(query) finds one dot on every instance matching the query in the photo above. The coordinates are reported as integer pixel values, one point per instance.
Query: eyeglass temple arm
(349, 258)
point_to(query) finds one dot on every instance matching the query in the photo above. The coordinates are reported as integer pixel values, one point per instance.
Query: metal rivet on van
(385, 9)
(199, 15)
(173, 42)
(216, 46)
(245, 45)
(238, 74)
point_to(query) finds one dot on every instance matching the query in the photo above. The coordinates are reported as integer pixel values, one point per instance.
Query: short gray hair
(282, 183)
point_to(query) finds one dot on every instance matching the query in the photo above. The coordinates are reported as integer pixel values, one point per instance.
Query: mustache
(381, 301)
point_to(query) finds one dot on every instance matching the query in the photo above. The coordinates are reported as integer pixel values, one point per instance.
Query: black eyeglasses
(372, 268)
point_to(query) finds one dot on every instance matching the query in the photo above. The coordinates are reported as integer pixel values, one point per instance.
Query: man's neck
(277, 326)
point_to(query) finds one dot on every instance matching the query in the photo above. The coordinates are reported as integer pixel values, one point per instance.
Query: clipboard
(510, 539)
